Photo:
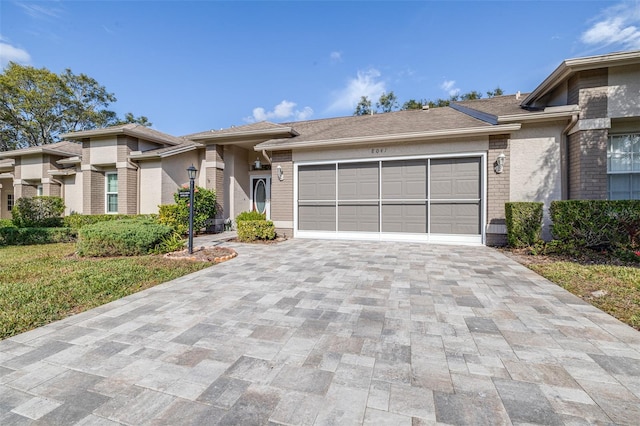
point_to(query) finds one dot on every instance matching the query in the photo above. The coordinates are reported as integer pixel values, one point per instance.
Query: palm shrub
(177, 215)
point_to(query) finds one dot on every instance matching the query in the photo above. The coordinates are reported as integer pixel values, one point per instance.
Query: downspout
(564, 155)
(59, 182)
(266, 157)
(137, 184)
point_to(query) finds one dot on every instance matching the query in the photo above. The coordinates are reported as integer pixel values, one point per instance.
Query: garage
(419, 199)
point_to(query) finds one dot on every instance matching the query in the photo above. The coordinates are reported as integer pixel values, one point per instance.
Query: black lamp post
(192, 176)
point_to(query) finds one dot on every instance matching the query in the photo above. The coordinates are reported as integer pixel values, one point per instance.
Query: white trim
(428, 237)
(107, 193)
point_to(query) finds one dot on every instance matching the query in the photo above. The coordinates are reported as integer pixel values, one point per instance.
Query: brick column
(214, 169)
(587, 152)
(498, 189)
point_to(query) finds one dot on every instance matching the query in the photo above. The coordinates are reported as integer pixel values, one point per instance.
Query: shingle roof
(132, 129)
(390, 123)
(253, 127)
(64, 148)
(491, 109)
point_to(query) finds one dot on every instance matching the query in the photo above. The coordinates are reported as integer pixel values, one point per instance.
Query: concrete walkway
(332, 333)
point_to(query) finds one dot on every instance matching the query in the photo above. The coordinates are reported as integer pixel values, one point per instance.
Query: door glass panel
(260, 196)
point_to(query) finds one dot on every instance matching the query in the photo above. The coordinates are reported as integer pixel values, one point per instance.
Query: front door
(261, 195)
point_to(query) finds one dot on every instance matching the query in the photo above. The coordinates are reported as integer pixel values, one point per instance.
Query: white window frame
(39, 190)
(630, 174)
(107, 192)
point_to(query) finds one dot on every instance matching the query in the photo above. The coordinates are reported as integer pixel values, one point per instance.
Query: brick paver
(329, 332)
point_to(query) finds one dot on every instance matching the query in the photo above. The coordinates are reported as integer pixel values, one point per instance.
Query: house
(433, 175)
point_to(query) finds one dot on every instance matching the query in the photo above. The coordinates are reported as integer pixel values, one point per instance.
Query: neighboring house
(438, 175)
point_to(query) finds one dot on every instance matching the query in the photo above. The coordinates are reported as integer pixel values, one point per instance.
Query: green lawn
(621, 285)
(43, 283)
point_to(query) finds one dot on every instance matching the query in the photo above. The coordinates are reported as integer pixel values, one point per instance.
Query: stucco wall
(452, 146)
(31, 167)
(103, 151)
(151, 194)
(624, 91)
(6, 187)
(72, 193)
(174, 175)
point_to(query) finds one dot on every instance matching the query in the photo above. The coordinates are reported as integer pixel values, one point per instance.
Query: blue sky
(194, 66)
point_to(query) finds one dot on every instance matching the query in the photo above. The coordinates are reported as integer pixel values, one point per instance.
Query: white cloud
(39, 11)
(449, 86)
(11, 53)
(336, 56)
(284, 110)
(366, 83)
(617, 25)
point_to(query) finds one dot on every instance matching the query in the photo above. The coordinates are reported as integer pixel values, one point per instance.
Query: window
(39, 191)
(111, 180)
(623, 167)
(9, 202)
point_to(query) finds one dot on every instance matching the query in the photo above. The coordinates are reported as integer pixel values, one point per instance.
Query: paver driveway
(328, 332)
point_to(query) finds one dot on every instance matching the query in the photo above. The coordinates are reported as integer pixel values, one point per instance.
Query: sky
(192, 66)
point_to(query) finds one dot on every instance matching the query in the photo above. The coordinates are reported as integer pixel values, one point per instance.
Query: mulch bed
(214, 254)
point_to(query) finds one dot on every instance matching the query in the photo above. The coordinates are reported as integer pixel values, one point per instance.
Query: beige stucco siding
(72, 193)
(455, 146)
(31, 167)
(174, 175)
(624, 92)
(104, 151)
(150, 186)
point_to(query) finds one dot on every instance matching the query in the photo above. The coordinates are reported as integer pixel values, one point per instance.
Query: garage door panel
(404, 179)
(317, 217)
(404, 217)
(317, 182)
(455, 178)
(358, 217)
(358, 181)
(455, 218)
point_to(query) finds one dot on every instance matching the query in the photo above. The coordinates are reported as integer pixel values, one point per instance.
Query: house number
(378, 150)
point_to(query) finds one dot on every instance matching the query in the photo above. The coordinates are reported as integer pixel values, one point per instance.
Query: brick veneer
(498, 187)
(588, 89)
(282, 191)
(587, 152)
(215, 176)
(93, 192)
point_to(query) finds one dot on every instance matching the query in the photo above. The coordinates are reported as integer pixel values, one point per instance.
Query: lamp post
(192, 176)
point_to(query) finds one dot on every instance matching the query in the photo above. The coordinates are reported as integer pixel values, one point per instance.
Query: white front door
(261, 194)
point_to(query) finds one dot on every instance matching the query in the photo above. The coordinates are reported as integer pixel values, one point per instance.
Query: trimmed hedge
(252, 215)
(175, 216)
(251, 230)
(13, 236)
(7, 223)
(77, 221)
(524, 223)
(127, 237)
(38, 212)
(596, 223)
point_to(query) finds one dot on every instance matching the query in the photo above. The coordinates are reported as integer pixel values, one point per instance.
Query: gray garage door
(421, 196)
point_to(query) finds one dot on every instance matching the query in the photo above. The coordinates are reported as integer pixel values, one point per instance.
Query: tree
(387, 102)
(363, 107)
(472, 95)
(130, 118)
(495, 92)
(413, 104)
(37, 105)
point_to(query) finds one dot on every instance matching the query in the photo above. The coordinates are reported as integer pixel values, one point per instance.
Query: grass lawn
(43, 283)
(605, 282)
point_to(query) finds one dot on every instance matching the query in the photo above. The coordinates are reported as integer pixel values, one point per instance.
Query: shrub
(204, 209)
(252, 215)
(77, 221)
(121, 238)
(27, 236)
(251, 230)
(596, 223)
(38, 212)
(170, 243)
(6, 223)
(524, 223)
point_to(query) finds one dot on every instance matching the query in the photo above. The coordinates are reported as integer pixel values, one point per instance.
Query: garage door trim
(469, 239)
